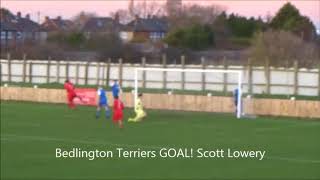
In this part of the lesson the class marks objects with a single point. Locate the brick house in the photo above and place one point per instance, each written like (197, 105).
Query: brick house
(17, 30)
(8, 35)
(56, 24)
(145, 29)
(102, 26)
(27, 30)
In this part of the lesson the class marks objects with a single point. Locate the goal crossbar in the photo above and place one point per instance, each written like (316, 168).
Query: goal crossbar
(188, 70)
(239, 73)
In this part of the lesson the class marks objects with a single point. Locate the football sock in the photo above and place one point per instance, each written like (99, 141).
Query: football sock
(97, 114)
(107, 113)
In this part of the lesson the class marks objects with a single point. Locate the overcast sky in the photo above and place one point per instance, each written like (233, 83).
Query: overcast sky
(69, 8)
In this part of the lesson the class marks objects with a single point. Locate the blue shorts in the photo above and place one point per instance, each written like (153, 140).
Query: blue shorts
(103, 103)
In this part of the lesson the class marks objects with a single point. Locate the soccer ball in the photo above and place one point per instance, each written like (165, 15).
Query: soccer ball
(293, 98)
(35, 86)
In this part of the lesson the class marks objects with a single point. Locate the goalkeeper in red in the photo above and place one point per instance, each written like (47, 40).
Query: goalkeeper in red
(71, 94)
(140, 113)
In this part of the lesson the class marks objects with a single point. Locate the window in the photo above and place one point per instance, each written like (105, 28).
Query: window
(152, 35)
(99, 23)
(155, 35)
(10, 35)
(88, 35)
(3, 35)
(19, 35)
(124, 35)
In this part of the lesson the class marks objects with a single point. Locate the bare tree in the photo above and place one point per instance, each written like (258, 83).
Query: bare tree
(282, 48)
(193, 13)
(123, 15)
(142, 10)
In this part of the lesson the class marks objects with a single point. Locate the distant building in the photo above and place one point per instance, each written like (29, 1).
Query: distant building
(101, 26)
(56, 25)
(5, 14)
(8, 30)
(142, 30)
(8, 35)
(27, 30)
(17, 30)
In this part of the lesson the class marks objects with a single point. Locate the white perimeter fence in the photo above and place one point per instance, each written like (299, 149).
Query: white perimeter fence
(257, 80)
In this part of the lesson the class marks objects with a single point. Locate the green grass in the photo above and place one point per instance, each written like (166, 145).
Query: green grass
(30, 132)
(164, 91)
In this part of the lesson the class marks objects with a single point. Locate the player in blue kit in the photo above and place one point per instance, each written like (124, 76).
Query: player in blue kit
(115, 89)
(102, 102)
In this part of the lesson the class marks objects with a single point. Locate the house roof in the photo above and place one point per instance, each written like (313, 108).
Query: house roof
(57, 24)
(5, 14)
(7, 26)
(61, 23)
(148, 25)
(101, 24)
(26, 25)
(8, 20)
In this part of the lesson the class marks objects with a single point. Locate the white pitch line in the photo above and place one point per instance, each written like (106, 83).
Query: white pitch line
(6, 137)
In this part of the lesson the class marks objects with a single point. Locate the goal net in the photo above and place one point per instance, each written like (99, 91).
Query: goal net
(208, 83)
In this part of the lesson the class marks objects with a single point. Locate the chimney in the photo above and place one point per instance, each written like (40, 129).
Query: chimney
(136, 17)
(149, 16)
(27, 16)
(47, 18)
(59, 18)
(117, 18)
(19, 14)
(2, 15)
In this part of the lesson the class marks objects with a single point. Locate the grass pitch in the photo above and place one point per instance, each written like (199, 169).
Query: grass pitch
(30, 132)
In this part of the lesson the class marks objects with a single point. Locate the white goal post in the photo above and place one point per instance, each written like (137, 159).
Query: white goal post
(238, 73)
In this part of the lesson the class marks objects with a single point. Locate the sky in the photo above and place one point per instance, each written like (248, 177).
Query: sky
(69, 8)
